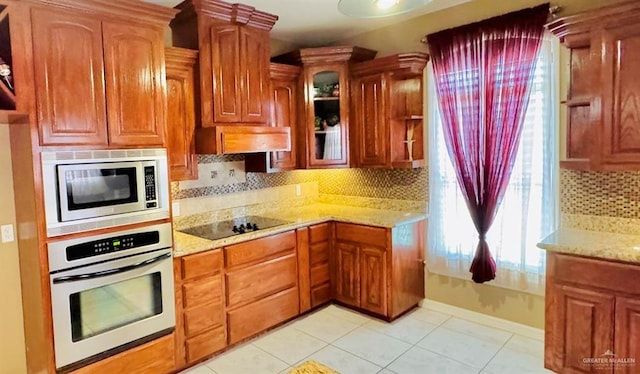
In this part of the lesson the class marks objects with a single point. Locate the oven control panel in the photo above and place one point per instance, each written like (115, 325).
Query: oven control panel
(111, 244)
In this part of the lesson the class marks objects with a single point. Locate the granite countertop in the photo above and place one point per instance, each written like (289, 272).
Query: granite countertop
(597, 244)
(185, 244)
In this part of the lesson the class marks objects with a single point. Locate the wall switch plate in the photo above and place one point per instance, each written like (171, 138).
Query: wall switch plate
(298, 190)
(175, 209)
(7, 233)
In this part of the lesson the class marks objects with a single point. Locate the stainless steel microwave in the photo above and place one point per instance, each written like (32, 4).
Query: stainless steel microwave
(87, 190)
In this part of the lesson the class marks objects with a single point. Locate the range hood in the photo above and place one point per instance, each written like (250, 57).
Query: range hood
(225, 139)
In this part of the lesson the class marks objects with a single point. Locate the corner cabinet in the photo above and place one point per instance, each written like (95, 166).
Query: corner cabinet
(593, 309)
(181, 112)
(283, 89)
(387, 111)
(324, 128)
(603, 102)
(379, 270)
(88, 59)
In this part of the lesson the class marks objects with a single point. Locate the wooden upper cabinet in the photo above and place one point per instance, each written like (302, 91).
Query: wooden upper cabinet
(181, 112)
(325, 125)
(603, 102)
(283, 89)
(233, 40)
(135, 74)
(99, 73)
(371, 127)
(225, 86)
(70, 90)
(254, 69)
(387, 111)
(621, 94)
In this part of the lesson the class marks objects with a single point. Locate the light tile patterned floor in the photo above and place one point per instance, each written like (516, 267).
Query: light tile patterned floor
(422, 342)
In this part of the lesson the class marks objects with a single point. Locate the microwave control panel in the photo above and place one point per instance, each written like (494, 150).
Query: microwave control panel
(151, 197)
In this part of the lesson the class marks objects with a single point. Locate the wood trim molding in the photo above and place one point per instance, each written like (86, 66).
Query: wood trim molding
(326, 55)
(283, 71)
(235, 13)
(401, 65)
(139, 11)
(584, 22)
(177, 58)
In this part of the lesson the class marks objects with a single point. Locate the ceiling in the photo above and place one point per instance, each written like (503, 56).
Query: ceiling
(312, 23)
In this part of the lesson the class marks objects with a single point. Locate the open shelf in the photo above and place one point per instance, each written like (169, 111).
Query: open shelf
(326, 98)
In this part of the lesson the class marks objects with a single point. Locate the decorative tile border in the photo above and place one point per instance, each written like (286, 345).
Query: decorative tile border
(592, 193)
(398, 184)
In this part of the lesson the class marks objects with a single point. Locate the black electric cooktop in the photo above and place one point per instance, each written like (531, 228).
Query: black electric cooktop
(241, 225)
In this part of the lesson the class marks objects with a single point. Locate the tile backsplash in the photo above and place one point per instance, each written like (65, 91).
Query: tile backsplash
(593, 193)
(221, 175)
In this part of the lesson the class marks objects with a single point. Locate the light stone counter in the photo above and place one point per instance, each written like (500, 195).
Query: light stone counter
(597, 244)
(185, 244)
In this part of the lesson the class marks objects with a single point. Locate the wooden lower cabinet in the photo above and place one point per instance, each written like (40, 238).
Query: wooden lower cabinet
(590, 313)
(225, 296)
(262, 284)
(201, 325)
(379, 270)
(156, 356)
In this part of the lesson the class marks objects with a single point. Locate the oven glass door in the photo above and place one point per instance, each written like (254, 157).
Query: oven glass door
(111, 306)
(100, 307)
(91, 190)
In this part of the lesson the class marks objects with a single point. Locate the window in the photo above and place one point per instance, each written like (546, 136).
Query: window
(528, 211)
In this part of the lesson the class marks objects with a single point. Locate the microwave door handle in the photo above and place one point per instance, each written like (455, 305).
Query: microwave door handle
(104, 273)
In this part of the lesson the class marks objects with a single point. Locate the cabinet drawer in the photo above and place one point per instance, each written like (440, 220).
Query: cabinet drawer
(601, 274)
(318, 233)
(203, 317)
(261, 280)
(319, 274)
(376, 236)
(253, 250)
(202, 291)
(199, 264)
(205, 344)
(272, 310)
(320, 294)
(319, 253)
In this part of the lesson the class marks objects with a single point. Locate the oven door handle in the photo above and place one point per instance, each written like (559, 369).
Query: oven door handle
(104, 273)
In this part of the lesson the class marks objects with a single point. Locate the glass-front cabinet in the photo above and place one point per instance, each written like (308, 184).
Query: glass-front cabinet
(323, 139)
(329, 115)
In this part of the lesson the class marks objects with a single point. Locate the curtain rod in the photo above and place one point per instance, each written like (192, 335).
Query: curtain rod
(553, 12)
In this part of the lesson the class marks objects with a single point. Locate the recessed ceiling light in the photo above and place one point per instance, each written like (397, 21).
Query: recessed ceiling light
(378, 8)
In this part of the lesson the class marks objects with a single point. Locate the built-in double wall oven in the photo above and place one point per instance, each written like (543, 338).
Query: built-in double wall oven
(113, 289)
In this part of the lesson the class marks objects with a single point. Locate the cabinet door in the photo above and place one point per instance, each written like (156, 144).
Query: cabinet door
(283, 114)
(181, 114)
(347, 273)
(585, 321)
(373, 280)
(135, 82)
(69, 87)
(371, 125)
(327, 116)
(225, 62)
(254, 70)
(627, 335)
(621, 95)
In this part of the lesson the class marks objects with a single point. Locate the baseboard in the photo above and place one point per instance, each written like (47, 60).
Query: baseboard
(484, 319)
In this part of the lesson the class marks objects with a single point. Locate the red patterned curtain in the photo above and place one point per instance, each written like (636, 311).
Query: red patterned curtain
(483, 73)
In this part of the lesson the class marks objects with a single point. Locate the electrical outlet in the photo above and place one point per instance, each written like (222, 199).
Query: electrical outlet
(175, 209)
(298, 190)
(7, 233)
